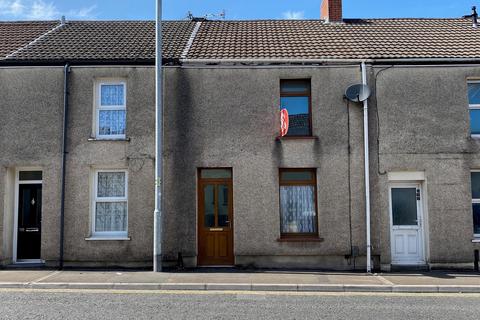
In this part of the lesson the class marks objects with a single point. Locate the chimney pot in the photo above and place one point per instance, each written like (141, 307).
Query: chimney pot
(331, 11)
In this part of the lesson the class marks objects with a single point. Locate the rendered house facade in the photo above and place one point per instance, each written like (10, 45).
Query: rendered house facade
(234, 192)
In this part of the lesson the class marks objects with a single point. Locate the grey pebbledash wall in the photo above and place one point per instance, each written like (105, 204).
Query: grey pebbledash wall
(30, 136)
(228, 117)
(425, 126)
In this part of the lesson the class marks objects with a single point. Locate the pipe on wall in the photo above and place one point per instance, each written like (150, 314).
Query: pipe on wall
(367, 172)
(157, 224)
(66, 71)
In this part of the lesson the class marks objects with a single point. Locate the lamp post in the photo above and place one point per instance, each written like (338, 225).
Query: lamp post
(157, 220)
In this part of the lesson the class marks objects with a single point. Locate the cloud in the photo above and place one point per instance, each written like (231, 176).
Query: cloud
(41, 10)
(294, 15)
(11, 7)
(83, 13)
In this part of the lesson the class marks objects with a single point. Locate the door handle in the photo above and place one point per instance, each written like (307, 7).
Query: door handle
(32, 229)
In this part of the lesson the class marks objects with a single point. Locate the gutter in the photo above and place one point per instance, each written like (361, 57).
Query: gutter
(330, 61)
(66, 72)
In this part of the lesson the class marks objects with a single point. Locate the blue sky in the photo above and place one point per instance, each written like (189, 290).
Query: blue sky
(235, 9)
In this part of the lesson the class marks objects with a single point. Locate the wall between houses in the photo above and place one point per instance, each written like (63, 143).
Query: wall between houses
(228, 117)
(424, 126)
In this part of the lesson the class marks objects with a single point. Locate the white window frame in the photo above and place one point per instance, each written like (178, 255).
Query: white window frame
(472, 107)
(99, 108)
(110, 235)
(474, 201)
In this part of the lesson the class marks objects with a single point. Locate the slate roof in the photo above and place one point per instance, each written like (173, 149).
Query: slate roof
(241, 40)
(15, 35)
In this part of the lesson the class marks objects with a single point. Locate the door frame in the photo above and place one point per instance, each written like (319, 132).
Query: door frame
(200, 182)
(16, 208)
(421, 216)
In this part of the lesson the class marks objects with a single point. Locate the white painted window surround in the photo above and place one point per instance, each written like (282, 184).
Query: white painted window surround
(109, 219)
(406, 176)
(110, 109)
(474, 107)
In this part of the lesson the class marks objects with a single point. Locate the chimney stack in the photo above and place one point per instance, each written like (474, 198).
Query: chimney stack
(331, 11)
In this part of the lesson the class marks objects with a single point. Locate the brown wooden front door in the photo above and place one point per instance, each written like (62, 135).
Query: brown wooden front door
(215, 218)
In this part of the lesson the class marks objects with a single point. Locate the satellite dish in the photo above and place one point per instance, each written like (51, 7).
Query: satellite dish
(358, 93)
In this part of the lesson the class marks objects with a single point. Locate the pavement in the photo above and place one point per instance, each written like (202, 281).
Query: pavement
(235, 280)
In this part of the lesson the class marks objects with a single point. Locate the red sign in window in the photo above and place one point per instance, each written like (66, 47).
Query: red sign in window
(283, 122)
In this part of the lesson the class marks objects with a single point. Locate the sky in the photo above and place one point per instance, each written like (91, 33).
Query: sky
(234, 9)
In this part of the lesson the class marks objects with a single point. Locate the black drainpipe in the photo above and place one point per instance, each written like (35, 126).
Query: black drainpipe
(66, 71)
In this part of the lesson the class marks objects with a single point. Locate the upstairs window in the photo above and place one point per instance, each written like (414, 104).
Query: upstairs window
(295, 96)
(474, 106)
(111, 110)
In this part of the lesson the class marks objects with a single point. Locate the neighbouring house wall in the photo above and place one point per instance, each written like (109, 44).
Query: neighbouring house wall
(424, 126)
(136, 154)
(229, 117)
(31, 106)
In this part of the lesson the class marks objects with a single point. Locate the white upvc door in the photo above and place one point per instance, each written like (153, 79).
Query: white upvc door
(406, 224)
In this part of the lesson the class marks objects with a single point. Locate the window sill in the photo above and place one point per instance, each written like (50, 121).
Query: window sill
(127, 139)
(297, 138)
(300, 239)
(112, 238)
(476, 240)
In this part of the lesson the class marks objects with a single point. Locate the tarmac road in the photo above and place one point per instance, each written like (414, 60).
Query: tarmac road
(115, 304)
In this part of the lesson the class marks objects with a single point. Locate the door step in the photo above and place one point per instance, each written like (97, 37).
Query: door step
(33, 265)
(402, 267)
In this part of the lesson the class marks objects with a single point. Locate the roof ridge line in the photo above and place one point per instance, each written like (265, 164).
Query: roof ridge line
(61, 24)
(190, 40)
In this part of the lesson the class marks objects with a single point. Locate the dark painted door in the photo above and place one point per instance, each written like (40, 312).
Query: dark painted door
(29, 221)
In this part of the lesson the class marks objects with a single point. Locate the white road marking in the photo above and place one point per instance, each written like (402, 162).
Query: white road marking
(383, 280)
(46, 277)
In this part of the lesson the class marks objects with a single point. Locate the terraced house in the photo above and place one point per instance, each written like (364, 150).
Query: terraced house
(77, 142)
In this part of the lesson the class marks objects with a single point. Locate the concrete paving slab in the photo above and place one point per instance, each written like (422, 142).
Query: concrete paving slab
(459, 289)
(321, 287)
(434, 278)
(274, 287)
(415, 289)
(229, 286)
(367, 288)
(23, 275)
(183, 286)
(363, 279)
(137, 286)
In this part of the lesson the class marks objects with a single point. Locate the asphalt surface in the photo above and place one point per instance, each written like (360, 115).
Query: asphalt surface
(82, 304)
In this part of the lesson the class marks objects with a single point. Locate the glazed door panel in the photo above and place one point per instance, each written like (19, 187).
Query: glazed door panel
(406, 225)
(215, 222)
